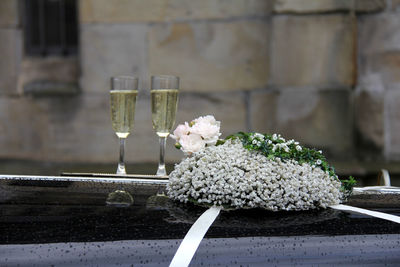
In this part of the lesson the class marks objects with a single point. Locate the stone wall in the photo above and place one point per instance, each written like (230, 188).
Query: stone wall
(10, 47)
(325, 72)
(377, 93)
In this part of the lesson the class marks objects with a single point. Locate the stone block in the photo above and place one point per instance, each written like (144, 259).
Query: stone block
(312, 50)
(369, 122)
(369, 5)
(10, 47)
(395, 5)
(79, 129)
(320, 119)
(48, 69)
(212, 56)
(109, 50)
(324, 6)
(392, 124)
(379, 33)
(379, 46)
(50, 129)
(9, 13)
(384, 67)
(92, 11)
(22, 128)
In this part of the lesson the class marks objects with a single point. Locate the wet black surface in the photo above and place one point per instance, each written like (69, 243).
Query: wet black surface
(24, 223)
(63, 224)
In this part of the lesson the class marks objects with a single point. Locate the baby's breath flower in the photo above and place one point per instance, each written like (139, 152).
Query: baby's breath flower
(231, 175)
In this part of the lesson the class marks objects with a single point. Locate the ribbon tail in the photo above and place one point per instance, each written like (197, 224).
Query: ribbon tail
(381, 215)
(192, 240)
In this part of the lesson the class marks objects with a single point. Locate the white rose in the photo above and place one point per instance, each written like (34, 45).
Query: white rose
(209, 132)
(181, 130)
(191, 143)
(207, 119)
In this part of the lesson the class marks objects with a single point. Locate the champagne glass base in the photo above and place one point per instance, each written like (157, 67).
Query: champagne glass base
(119, 198)
(121, 170)
(161, 171)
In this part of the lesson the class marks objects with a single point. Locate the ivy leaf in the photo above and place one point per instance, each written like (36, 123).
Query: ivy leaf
(272, 148)
(347, 186)
(220, 142)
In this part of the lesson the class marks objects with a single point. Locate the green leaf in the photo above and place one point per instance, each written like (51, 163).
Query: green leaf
(177, 145)
(347, 186)
(305, 155)
(220, 142)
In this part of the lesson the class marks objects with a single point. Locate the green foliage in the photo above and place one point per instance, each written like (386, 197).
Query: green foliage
(220, 142)
(347, 186)
(177, 145)
(274, 146)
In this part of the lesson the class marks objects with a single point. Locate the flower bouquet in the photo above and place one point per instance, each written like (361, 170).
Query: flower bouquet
(251, 170)
(193, 137)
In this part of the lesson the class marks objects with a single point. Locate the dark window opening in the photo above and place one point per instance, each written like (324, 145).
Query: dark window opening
(51, 27)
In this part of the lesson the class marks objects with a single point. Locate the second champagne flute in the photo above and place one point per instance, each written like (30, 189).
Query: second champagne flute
(164, 103)
(124, 90)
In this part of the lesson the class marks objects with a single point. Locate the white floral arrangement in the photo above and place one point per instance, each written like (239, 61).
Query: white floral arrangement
(196, 135)
(252, 170)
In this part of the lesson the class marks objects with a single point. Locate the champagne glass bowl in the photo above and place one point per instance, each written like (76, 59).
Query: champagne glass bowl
(123, 93)
(164, 103)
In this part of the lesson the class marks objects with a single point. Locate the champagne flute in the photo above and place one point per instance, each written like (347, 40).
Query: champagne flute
(124, 90)
(164, 103)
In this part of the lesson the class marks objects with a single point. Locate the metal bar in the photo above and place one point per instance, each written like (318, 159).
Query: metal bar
(42, 30)
(63, 32)
(85, 179)
(114, 175)
(27, 23)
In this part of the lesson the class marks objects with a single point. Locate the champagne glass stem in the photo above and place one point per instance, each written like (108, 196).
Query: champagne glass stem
(161, 164)
(121, 163)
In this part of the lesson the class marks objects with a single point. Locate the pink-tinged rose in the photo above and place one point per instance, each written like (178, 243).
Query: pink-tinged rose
(207, 119)
(212, 141)
(181, 130)
(192, 143)
(209, 132)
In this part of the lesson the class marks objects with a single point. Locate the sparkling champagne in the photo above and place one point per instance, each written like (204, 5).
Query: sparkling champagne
(164, 104)
(123, 111)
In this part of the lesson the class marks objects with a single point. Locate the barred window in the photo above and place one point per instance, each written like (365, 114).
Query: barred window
(50, 27)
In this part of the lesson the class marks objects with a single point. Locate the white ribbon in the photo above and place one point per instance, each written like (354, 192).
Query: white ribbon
(192, 240)
(376, 214)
